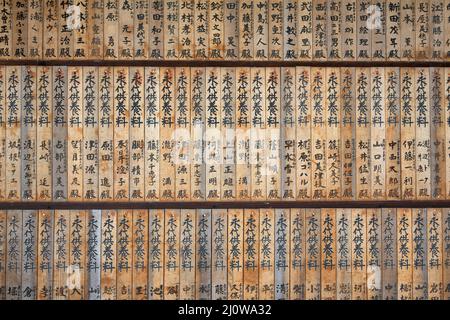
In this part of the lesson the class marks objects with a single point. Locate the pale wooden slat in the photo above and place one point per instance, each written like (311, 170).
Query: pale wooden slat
(374, 255)
(446, 253)
(171, 26)
(29, 255)
(2, 134)
(124, 254)
(235, 254)
(61, 253)
(78, 245)
(6, 27)
(156, 36)
(3, 244)
(188, 231)
(290, 29)
(297, 263)
(437, 29)
(50, 34)
(267, 274)
(110, 29)
(35, 25)
(251, 254)
(203, 255)
(140, 254)
(93, 254)
(121, 134)
(389, 251)
(219, 262)
(171, 255)
(348, 29)
(419, 254)
(231, 29)
(141, 30)
(434, 253)
(422, 16)
(19, 36)
(65, 30)
(404, 254)
(313, 233)
(95, 20)
(275, 21)
(75, 136)
(137, 134)
(216, 29)
(109, 256)
(80, 30)
(156, 254)
(246, 25)
(260, 30)
(319, 25)
(344, 254)
(393, 30)
(328, 255)
(359, 252)
(333, 28)
(45, 255)
(363, 34)
(407, 29)
(378, 34)
(126, 28)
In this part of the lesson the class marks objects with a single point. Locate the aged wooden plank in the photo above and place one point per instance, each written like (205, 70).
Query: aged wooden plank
(3, 244)
(171, 255)
(422, 15)
(393, 141)
(319, 25)
(186, 29)
(29, 255)
(19, 36)
(423, 133)
(121, 134)
(407, 30)
(156, 25)
(275, 25)
(328, 254)
(228, 127)
(318, 134)
(2, 134)
(188, 232)
(106, 134)
(359, 254)
(446, 253)
(231, 29)
(213, 144)
(348, 29)
(5, 30)
(437, 29)
(333, 117)
(305, 29)
(182, 143)
(50, 31)
(344, 254)
(334, 22)
(93, 254)
(171, 26)
(377, 134)
(260, 30)
(273, 134)
(437, 127)
(90, 143)
(219, 262)
(374, 256)
(216, 29)
(110, 29)
(13, 141)
(288, 139)
(124, 254)
(80, 28)
(156, 254)
(68, 17)
(167, 101)
(59, 131)
(419, 254)
(363, 34)
(251, 254)
(109, 255)
(61, 253)
(137, 134)
(152, 140)
(243, 125)
(142, 13)
(246, 29)
(78, 247)
(297, 257)
(45, 255)
(75, 136)
(28, 133)
(290, 29)
(203, 255)
(277, 221)
(312, 250)
(362, 134)
(434, 253)
(201, 28)
(235, 254)
(303, 141)
(95, 23)
(393, 30)
(407, 134)
(378, 14)
(404, 254)
(35, 25)
(347, 134)
(267, 273)
(389, 254)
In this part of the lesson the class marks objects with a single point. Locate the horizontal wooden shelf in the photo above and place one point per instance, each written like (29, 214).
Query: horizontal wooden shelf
(222, 63)
(223, 204)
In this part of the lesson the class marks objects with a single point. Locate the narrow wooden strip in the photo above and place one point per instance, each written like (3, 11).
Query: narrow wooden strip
(203, 255)
(267, 281)
(404, 255)
(219, 259)
(109, 255)
(344, 254)
(61, 252)
(171, 255)
(419, 250)
(29, 255)
(124, 254)
(35, 25)
(313, 232)
(298, 247)
(251, 254)
(45, 255)
(110, 29)
(374, 255)
(156, 254)
(389, 251)
(435, 253)
(78, 243)
(188, 231)
(93, 254)
(359, 254)
(3, 246)
(235, 254)
(328, 254)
